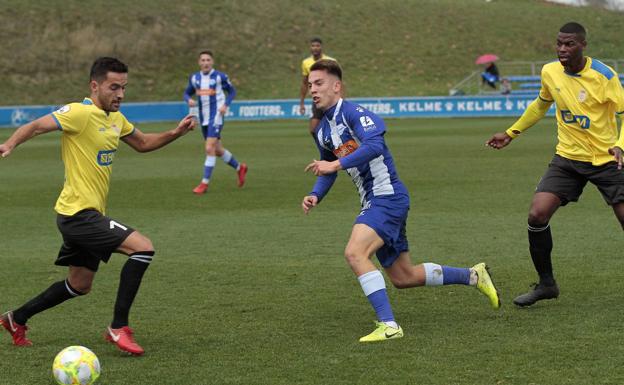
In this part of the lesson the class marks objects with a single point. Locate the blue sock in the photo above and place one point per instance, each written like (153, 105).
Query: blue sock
(456, 275)
(380, 302)
(374, 288)
(208, 166)
(436, 275)
(228, 158)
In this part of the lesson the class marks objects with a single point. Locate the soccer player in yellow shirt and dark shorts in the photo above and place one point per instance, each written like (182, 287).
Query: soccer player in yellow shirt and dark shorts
(588, 96)
(316, 54)
(90, 136)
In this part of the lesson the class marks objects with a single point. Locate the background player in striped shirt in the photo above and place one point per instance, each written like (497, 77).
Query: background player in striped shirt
(90, 133)
(316, 54)
(351, 138)
(214, 93)
(587, 95)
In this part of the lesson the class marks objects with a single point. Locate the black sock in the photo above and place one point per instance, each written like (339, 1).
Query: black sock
(129, 282)
(59, 292)
(540, 246)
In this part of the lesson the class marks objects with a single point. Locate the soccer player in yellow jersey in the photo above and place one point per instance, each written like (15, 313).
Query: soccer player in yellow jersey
(316, 54)
(90, 135)
(587, 95)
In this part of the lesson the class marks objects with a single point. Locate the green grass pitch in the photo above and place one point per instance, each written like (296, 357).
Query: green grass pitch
(245, 289)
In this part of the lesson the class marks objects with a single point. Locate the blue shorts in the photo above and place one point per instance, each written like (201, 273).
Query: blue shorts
(387, 216)
(212, 131)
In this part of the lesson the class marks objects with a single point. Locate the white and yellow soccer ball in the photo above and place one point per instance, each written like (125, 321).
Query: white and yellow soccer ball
(76, 365)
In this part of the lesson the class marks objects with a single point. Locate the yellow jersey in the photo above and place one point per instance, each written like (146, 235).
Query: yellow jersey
(88, 144)
(586, 106)
(307, 63)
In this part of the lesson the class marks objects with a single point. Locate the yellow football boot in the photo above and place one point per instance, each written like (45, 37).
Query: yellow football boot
(383, 332)
(485, 284)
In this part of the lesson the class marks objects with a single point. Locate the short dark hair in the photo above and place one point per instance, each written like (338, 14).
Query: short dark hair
(329, 66)
(103, 65)
(573, 27)
(206, 52)
(316, 40)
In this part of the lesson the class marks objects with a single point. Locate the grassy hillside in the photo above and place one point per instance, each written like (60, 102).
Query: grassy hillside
(387, 47)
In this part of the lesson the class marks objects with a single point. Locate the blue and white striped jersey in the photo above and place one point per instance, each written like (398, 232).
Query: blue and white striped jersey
(355, 136)
(211, 90)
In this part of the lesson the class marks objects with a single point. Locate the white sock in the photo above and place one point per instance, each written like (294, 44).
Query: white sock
(371, 282)
(227, 156)
(392, 324)
(433, 274)
(210, 161)
(474, 277)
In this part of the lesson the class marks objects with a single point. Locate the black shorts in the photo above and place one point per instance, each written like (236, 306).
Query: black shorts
(316, 113)
(566, 179)
(88, 238)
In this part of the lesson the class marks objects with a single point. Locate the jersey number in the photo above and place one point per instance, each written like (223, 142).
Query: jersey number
(114, 224)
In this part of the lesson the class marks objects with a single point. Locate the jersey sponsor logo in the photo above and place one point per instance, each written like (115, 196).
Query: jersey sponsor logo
(63, 109)
(346, 148)
(568, 117)
(115, 128)
(105, 157)
(367, 123)
(206, 92)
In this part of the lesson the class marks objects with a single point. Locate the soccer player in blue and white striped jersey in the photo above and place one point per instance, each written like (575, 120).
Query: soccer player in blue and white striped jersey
(214, 93)
(351, 138)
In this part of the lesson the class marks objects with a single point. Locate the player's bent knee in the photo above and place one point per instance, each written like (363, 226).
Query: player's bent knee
(136, 242)
(79, 286)
(354, 256)
(537, 218)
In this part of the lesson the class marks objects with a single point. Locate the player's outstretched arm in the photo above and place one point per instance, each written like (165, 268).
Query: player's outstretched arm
(534, 112)
(29, 130)
(143, 142)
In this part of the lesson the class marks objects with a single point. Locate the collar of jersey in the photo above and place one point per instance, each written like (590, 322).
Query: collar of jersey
(581, 72)
(207, 74)
(331, 112)
(87, 101)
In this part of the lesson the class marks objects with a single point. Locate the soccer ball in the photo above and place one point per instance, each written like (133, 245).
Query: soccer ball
(76, 365)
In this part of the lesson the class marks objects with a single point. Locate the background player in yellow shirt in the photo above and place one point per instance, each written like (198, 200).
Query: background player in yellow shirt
(90, 135)
(316, 54)
(587, 95)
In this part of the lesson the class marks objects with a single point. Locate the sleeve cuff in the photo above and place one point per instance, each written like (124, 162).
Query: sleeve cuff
(130, 133)
(58, 124)
(512, 133)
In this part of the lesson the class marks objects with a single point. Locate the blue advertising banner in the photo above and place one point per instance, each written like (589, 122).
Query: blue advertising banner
(402, 107)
